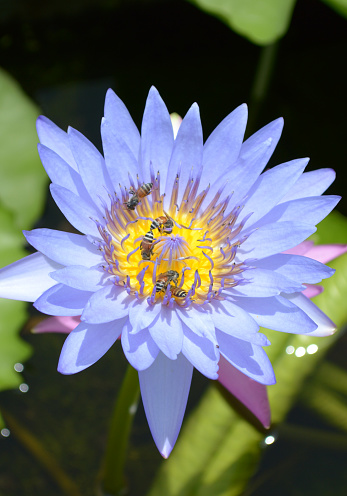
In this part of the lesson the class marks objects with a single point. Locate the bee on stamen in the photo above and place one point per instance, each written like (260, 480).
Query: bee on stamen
(164, 224)
(146, 246)
(141, 192)
(178, 292)
(165, 279)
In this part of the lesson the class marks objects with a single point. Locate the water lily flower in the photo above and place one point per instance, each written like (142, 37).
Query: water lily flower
(180, 252)
(252, 394)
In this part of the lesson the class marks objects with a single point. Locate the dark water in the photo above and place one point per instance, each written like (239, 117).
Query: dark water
(65, 55)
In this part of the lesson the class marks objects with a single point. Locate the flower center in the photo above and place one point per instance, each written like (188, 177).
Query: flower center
(187, 253)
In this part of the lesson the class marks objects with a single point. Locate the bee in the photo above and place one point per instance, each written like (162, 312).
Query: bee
(146, 246)
(178, 292)
(141, 192)
(164, 224)
(164, 279)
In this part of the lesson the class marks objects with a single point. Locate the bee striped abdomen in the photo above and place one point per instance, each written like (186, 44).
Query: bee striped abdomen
(144, 190)
(155, 224)
(148, 237)
(146, 246)
(160, 286)
(178, 292)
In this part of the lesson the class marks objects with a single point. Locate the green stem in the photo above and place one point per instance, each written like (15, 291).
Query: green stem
(262, 80)
(112, 472)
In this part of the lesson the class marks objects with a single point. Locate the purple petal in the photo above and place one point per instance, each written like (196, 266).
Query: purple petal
(312, 183)
(239, 178)
(120, 160)
(27, 278)
(263, 283)
(92, 168)
(295, 267)
(107, 304)
(252, 394)
(272, 131)
(198, 320)
(201, 353)
(275, 238)
(326, 327)
(83, 278)
(86, 344)
(61, 173)
(164, 388)
(223, 146)
(309, 210)
(187, 151)
(64, 247)
(141, 315)
(121, 122)
(77, 211)
(167, 332)
(270, 187)
(249, 358)
(56, 324)
(156, 137)
(254, 155)
(56, 139)
(139, 349)
(233, 320)
(62, 300)
(277, 313)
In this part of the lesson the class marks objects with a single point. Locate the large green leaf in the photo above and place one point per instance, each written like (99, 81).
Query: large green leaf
(326, 393)
(261, 21)
(333, 229)
(23, 180)
(217, 451)
(22, 194)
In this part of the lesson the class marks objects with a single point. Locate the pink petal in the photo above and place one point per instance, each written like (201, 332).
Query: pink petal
(312, 290)
(57, 324)
(251, 393)
(321, 253)
(325, 253)
(300, 249)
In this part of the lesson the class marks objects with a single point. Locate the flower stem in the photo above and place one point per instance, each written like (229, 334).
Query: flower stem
(262, 80)
(112, 472)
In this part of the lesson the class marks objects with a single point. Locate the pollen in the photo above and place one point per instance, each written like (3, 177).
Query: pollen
(187, 253)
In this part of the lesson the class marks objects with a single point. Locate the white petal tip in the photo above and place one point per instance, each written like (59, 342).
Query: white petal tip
(166, 449)
(61, 369)
(323, 332)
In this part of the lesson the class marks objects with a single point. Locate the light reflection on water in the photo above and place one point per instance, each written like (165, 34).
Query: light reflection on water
(300, 351)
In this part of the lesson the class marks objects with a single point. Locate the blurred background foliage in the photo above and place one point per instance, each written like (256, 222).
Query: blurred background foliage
(283, 57)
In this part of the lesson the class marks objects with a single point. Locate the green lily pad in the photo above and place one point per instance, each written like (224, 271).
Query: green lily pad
(22, 196)
(261, 21)
(23, 180)
(333, 229)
